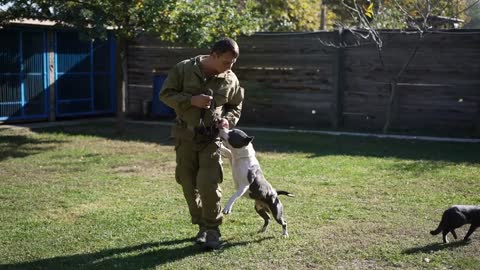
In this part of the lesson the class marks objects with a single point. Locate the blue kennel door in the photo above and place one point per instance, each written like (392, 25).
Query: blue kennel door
(158, 107)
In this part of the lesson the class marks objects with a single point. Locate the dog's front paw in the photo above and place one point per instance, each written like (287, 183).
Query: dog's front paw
(227, 211)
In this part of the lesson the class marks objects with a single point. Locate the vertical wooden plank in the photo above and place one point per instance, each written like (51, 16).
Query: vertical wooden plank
(339, 83)
(392, 100)
(114, 74)
(123, 86)
(476, 132)
(51, 74)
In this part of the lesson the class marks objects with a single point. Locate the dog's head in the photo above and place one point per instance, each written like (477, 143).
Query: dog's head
(235, 138)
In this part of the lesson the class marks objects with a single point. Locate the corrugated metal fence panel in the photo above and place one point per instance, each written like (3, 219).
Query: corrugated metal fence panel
(85, 75)
(10, 90)
(23, 78)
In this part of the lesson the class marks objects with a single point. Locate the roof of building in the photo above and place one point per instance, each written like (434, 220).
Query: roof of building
(33, 22)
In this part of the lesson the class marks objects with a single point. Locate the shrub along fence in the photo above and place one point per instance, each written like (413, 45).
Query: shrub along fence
(415, 84)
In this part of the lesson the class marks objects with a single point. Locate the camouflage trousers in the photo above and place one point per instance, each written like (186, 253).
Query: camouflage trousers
(199, 171)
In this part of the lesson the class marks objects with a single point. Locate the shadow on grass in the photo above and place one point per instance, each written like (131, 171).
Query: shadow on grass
(19, 146)
(435, 247)
(146, 256)
(315, 145)
(325, 145)
(150, 133)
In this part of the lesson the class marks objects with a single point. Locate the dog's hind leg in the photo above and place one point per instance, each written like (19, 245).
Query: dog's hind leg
(454, 234)
(260, 208)
(277, 212)
(444, 236)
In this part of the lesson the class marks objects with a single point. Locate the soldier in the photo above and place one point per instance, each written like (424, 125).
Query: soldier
(206, 95)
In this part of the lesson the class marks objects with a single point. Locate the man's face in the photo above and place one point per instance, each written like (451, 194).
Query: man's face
(224, 61)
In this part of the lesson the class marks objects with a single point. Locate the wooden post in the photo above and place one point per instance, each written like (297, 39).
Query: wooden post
(122, 87)
(51, 75)
(476, 132)
(338, 83)
(323, 16)
(393, 99)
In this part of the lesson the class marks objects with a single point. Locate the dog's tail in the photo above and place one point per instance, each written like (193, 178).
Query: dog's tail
(443, 223)
(438, 229)
(282, 192)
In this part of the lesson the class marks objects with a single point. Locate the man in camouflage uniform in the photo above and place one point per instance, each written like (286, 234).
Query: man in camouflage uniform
(206, 95)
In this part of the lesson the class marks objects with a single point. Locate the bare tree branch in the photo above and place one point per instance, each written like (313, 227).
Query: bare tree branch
(467, 8)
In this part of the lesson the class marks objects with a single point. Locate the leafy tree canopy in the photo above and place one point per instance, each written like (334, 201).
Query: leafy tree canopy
(474, 14)
(199, 22)
(394, 14)
(196, 22)
(289, 15)
(202, 21)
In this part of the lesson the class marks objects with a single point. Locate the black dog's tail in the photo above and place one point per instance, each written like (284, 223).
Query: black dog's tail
(443, 223)
(281, 192)
(438, 229)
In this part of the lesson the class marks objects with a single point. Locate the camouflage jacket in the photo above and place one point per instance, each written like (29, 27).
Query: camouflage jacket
(186, 79)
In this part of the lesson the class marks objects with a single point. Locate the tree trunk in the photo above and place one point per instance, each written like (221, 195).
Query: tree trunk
(323, 17)
(122, 87)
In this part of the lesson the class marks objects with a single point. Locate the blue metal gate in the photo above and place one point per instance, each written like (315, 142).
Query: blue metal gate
(84, 74)
(23, 75)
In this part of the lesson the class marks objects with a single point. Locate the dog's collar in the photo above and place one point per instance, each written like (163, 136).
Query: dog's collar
(245, 156)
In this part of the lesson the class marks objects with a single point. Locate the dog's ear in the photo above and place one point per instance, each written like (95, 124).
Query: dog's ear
(249, 139)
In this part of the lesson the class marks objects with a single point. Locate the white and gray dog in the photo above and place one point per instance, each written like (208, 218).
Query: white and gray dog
(248, 177)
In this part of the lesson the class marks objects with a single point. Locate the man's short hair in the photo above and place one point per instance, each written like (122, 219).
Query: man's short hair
(226, 45)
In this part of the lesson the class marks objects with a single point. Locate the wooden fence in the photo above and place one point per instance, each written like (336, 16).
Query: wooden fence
(300, 80)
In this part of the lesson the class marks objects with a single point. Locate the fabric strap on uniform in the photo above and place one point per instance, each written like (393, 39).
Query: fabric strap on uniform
(209, 92)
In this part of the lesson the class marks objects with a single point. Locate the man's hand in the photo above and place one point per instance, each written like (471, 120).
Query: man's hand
(223, 123)
(201, 101)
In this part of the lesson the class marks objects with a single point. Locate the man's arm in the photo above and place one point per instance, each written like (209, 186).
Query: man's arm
(173, 95)
(172, 92)
(233, 108)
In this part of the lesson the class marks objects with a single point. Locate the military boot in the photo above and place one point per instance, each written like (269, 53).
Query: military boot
(201, 237)
(213, 239)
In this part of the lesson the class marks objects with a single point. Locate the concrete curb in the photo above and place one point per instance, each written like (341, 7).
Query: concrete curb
(339, 133)
(280, 130)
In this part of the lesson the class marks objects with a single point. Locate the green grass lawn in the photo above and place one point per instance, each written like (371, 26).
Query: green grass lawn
(83, 197)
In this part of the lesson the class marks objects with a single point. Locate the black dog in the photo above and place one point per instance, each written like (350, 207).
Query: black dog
(457, 216)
